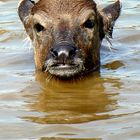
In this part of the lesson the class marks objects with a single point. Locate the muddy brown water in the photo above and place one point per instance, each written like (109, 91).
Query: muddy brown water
(103, 106)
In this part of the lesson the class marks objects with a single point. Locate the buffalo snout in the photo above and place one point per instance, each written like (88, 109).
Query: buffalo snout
(63, 53)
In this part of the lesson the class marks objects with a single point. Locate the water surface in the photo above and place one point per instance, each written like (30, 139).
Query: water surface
(103, 106)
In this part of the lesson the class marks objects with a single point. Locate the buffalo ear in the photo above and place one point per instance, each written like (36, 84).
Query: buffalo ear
(108, 16)
(24, 9)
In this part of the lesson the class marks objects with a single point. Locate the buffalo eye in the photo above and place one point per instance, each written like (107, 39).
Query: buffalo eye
(33, 2)
(38, 27)
(89, 24)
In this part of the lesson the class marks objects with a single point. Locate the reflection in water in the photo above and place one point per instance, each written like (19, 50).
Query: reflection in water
(77, 102)
(68, 139)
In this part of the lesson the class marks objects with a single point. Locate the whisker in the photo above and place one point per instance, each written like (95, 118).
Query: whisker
(49, 77)
(27, 42)
(108, 39)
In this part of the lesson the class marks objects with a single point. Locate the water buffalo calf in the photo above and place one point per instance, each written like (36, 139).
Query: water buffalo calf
(67, 34)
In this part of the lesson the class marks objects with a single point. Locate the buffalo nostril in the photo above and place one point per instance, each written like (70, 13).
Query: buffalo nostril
(54, 53)
(72, 52)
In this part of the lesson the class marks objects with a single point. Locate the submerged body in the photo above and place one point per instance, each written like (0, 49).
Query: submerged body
(67, 34)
